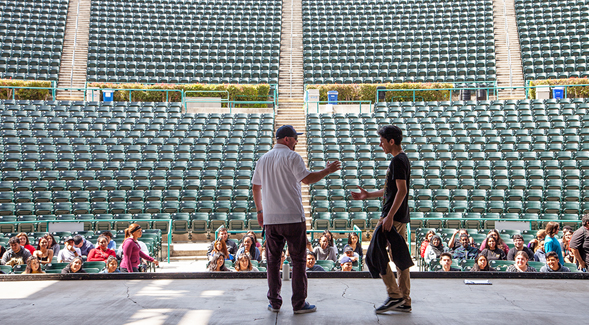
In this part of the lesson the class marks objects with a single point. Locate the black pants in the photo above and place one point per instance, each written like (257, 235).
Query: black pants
(124, 270)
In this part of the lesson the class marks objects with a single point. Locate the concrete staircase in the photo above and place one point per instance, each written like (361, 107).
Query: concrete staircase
(507, 50)
(290, 82)
(74, 59)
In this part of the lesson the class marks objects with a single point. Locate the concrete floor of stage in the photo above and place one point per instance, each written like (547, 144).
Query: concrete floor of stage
(339, 301)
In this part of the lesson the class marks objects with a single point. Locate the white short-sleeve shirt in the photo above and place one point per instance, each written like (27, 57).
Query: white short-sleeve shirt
(280, 172)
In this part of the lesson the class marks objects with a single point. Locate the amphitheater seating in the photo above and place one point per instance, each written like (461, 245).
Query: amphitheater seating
(31, 38)
(370, 42)
(553, 38)
(180, 42)
(79, 160)
(511, 159)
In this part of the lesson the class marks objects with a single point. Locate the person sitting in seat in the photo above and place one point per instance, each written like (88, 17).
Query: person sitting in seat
(217, 263)
(518, 242)
(52, 244)
(84, 245)
(465, 251)
(24, 242)
(446, 263)
(220, 247)
(493, 252)
(75, 266)
(434, 249)
(16, 255)
(521, 263)
(482, 264)
(43, 252)
(540, 235)
(244, 264)
(425, 242)
(553, 265)
(346, 264)
(455, 240)
(223, 235)
(540, 254)
(112, 265)
(69, 252)
(353, 242)
(498, 241)
(311, 266)
(102, 252)
(33, 266)
(249, 247)
(324, 251)
(111, 243)
(349, 252)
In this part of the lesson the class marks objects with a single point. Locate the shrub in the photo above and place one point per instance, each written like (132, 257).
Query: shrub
(355, 92)
(572, 92)
(25, 94)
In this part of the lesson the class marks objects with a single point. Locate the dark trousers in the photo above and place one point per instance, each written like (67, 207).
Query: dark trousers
(124, 270)
(295, 235)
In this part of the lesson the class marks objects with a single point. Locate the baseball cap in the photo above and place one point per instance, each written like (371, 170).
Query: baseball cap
(345, 260)
(67, 238)
(286, 131)
(348, 249)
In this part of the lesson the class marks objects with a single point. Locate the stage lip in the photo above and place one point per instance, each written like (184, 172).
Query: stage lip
(262, 275)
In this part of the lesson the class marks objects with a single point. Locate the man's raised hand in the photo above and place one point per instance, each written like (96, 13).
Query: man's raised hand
(362, 195)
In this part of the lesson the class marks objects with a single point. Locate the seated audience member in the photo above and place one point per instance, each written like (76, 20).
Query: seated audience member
(553, 265)
(220, 247)
(349, 252)
(69, 252)
(2, 251)
(329, 236)
(101, 252)
(16, 255)
(492, 251)
(551, 244)
(521, 263)
(311, 266)
(540, 235)
(482, 264)
(24, 242)
(75, 266)
(112, 265)
(434, 249)
(324, 251)
(244, 264)
(43, 252)
(354, 243)
(425, 242)
(455, 239)
(518, 243)
(217, 263)
(498, 241)
(465, 251)
(249, 247)
(446, 262)
(33, 266)
(84, 245)
(111, 243)
(539, 254)
(255, 238)
(52, 244)
(346, 264)
(231, 245)
(567, 254)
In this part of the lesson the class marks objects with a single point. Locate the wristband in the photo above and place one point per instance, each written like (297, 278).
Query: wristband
(260, 211)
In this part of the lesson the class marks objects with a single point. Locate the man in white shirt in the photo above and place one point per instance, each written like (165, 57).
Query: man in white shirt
(277, 194)
(70, 251)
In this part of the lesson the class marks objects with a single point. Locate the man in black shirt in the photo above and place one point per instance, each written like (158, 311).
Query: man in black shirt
(579, 244)
(395, 214)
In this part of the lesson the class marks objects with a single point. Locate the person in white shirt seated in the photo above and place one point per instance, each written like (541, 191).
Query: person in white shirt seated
(349, 252)
(69, 252)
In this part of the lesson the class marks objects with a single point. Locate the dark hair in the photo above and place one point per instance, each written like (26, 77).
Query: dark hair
(391, 132)
(517, 236)
(14, 240)
(350, 237)
(111, 258)
(213, 262)
(312, 254)
(29, 269)
(463, 236)
(107, 234)
(552, 254)
(551, 228)
(585, 220)
(499, 240)
(476, 264)
(446, 254)
(39, 243)
(522, 253)
(238, 264)
(252, 247)
(52, 240)
(101, 237)
(327, 232)
(25, 235)
(68, 268)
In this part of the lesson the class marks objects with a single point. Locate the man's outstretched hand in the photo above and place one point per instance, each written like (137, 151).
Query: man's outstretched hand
(362, 195)
(333, 167)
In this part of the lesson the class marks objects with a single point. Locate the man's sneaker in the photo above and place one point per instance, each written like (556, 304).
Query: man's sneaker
(307, 308)
(403, 308)
(272, 309)
(390, 304)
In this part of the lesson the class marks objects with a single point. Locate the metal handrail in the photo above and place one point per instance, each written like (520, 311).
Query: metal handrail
(340, 102)
(95, 220)
(508, 46)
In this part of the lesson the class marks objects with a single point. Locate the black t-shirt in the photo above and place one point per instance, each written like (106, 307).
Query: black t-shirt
(400, 168)
(580, 242)
(513, 251)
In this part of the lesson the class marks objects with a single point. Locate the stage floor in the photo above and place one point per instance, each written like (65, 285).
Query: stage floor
(243, 301)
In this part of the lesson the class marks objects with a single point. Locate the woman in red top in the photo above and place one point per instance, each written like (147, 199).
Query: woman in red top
(132, 253)
(102, 252)
(24, 241)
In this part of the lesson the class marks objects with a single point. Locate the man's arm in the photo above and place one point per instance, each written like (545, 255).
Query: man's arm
(364, 194)
(399, 197)
(315, 177)
(451, 241)
(257, 193)
(577, 255)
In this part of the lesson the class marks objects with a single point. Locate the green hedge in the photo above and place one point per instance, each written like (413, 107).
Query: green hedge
(354, 92)
(572, 92)
(236, 92)
(25, 94)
